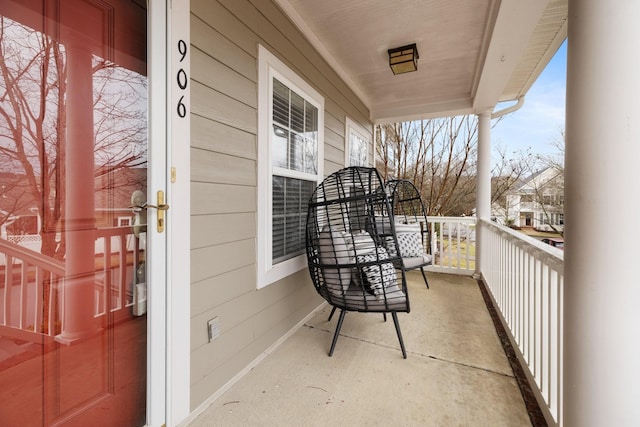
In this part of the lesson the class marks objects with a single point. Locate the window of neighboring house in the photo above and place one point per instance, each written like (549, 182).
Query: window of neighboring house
(124, 221)
(357, 143)
(290, 158)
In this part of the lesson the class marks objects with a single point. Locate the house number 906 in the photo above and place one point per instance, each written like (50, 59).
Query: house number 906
(182, 78)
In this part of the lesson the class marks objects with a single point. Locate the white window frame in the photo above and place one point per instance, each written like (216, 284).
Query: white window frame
(270, 67)
(124, 221)
(349, 127)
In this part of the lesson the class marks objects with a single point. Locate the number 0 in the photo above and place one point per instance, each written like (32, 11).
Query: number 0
(182, 79)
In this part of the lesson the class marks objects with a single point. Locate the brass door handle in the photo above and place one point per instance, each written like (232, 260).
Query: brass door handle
(138, 208)
(161, 207)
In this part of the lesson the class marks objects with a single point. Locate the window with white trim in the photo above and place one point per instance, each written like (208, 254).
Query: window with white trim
(290, 158)
(357, 143)
(124, 221)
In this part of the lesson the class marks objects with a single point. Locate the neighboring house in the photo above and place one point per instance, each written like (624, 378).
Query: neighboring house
(20, 221)
(537, 202)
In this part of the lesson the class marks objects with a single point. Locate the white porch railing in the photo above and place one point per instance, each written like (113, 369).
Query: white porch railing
(28, 286)
(525, 279)
(32, 285)
(453, 244)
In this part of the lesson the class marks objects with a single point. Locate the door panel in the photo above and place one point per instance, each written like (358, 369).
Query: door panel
(73, 149)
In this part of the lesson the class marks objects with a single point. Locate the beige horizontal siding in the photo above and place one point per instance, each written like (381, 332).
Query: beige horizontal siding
(217, 76)
(210, 166)
(210, 230)
(225, 35)
(213, 260)
(216, 290)
(219, 137)
(220, 107)
(223, 49)
(220, 198)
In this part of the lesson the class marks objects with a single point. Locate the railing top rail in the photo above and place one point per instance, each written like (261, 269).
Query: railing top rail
(553, 257)
(461, 219)
(47, 263)
(31, 257)
(113, 231)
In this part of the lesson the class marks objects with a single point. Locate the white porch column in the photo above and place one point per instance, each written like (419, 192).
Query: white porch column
(602, 201)
(79, 222)
(483, 193)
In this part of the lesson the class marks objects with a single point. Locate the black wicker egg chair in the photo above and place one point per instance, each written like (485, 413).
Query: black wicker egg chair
(348, 255)
(411, 225)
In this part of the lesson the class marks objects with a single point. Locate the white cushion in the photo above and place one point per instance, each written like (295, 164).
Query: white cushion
(358, 299)
(333, 251)
(402, 227)
(414, 262)
(359, 243)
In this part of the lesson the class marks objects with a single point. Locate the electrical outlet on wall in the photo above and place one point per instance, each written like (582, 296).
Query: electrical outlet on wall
(213, 327)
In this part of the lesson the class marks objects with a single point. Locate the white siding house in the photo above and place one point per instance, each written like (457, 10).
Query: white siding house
(538, 202)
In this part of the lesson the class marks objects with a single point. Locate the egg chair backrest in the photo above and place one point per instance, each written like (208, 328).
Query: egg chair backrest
(408, 208)
(352, 250)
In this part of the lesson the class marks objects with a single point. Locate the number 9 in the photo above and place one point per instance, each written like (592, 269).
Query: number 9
(182, 49)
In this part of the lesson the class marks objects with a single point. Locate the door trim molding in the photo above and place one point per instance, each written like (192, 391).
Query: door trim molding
(179, 244)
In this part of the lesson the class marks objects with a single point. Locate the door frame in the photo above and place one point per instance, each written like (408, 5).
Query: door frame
(179, 229)
(168, 333)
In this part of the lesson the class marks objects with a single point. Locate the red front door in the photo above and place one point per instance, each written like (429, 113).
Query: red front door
(73, 150)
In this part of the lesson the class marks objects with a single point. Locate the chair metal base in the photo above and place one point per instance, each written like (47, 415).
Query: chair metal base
(424, 276)
(339, 326)
(333, 310)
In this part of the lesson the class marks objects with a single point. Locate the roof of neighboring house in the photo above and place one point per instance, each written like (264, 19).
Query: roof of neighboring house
(537, 179)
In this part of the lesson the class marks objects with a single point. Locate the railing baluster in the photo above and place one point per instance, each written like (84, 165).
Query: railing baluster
(24, 287)
(56, 294)
(122, 273)
(8, 284)
(525, 279)
(38, 303)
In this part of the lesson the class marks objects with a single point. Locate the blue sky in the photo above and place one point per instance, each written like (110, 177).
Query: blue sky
(540, 121)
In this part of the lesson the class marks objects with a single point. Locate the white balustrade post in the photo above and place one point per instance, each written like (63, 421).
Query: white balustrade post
(602, 156)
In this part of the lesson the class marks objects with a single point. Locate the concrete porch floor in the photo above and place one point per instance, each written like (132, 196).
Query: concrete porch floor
(456, 372)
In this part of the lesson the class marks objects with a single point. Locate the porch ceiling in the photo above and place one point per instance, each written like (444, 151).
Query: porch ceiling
(473, 53)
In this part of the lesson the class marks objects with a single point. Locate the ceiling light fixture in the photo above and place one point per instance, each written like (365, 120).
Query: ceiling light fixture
(403, 59)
